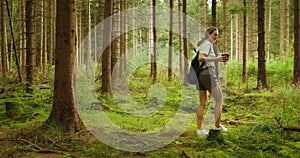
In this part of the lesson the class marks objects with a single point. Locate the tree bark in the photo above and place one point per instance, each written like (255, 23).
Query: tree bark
(41, 21)
(170, 42)
(106, 56)
(282, 31)
(45, 54)
(214, 13)
(237, 37)
(269, 30)
(4, 56)
(89, 39)
(30, 44)
(51, 32)
(296, 78)
(261, 76)
(123, 38)
(22, 38)
(231, 36)
(64, 111)
(244, 76)
(13, 43)
(154, 55)
(287, 35)
(180, 38)
(253, 38)
(79, 29)
(206, 13)
(224, 26)
(115, 48)
(185, 46)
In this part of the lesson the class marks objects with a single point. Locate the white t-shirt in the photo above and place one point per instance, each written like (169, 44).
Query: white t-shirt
(206, 48)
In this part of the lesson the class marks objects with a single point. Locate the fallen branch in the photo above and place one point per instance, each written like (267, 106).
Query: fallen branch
(40, 149)
(292, 128)
(185, 155)
(28, 142)
(234, 122)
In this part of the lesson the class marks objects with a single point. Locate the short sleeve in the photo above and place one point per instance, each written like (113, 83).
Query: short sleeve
(204, 48)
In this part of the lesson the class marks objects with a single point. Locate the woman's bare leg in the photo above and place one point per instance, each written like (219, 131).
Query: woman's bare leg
(200, 112)
(218, 96)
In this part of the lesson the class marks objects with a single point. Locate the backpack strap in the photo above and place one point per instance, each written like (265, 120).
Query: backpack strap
(197, 55)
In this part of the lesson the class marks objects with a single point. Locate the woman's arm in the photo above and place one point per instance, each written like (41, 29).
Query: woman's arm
(203, 58)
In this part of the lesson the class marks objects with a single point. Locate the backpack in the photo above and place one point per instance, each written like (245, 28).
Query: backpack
(195, 68)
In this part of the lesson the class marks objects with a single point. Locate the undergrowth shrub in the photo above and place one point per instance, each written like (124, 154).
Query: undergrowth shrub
(285, 97)
(278, 74)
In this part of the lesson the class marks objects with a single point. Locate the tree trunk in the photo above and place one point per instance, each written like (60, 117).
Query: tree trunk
(4, 56)
(269, 30)
(123, 40)
(30, 44)
(13, 44)
(10, 12)
(41, 3)
(261, 76)
(64, 111)
(282, 30)
(214, 13)
(206, 13)
(45, 54)
(170, 42)
(82, 33)
(150, 38)
(224, 26)
(106, 56)
(231, 36)
(185, 46)
(253, 38)
(237, 37)
(154, 55)
(22, 38)
(180, 38)
(89, 39)
(244, 76)
(115, 48)
(296, 43)
(79, 29)
(51, 32)
(94, 40)
(287, 31)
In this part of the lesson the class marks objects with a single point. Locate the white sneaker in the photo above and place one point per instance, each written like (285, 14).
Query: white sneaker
(222, 127)
(201, 132)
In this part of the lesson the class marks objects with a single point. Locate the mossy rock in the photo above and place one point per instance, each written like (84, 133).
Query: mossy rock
(215, 135)
(14, 109)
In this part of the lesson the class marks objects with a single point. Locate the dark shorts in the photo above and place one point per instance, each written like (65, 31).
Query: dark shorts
(207, 82)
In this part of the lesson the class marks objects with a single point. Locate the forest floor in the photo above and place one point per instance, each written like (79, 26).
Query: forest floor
(260, 124)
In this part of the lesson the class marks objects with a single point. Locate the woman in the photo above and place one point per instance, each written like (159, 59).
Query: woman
(208, 81)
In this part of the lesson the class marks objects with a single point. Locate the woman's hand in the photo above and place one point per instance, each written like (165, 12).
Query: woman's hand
(224, 57)
(221, 58)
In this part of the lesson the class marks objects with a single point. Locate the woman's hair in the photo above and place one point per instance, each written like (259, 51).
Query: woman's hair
(208, 31)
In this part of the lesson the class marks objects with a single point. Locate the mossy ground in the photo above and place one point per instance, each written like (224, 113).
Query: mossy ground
(269, 110)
